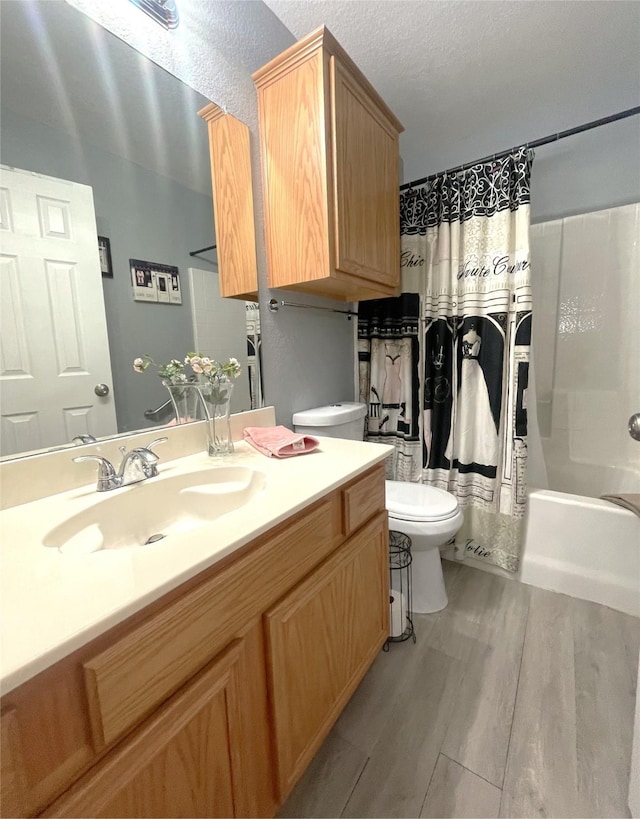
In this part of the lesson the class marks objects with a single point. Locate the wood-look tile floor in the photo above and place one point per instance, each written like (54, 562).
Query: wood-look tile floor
(514, 702)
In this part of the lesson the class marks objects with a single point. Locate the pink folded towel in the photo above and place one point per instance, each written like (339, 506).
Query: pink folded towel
(279, 442)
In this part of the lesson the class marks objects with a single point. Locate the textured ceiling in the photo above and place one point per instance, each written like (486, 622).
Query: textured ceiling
(473, 77)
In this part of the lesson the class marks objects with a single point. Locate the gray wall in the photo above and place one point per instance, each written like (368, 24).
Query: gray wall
(307, 355)
(590, 171)
(146, 216)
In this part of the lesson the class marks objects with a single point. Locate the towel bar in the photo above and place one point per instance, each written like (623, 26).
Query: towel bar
(275, 305)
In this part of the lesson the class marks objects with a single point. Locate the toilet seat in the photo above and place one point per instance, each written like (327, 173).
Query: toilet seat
(419, 502)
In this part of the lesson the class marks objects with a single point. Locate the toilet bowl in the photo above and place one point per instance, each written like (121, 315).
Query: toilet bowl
(430, 517)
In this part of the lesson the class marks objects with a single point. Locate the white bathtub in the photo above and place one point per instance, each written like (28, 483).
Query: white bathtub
(583, 547)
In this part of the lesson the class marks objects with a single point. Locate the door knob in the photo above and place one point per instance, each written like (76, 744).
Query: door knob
(101, 390)
(634, 426)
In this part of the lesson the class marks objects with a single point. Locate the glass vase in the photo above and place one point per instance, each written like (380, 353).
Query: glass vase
(216, 398)
(187, 402)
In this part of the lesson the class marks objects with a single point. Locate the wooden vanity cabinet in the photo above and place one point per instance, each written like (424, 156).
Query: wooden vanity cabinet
(232, 203)
(12, 773)
(329, 155)
(184, 761)
(322, 638)
(212, 700)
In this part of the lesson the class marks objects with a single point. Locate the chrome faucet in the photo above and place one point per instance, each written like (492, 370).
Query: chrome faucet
(137, 465)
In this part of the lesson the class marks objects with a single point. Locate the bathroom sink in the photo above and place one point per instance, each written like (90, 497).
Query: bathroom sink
(140, 515)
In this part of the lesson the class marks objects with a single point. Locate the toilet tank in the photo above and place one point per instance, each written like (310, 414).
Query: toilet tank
(344, 420)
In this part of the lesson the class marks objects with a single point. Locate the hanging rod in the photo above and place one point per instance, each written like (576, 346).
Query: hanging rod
(202, 250)
(630, 112)
(275, 305)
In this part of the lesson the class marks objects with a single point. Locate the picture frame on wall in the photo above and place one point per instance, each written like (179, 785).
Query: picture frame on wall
(152, 281)
(104, 250)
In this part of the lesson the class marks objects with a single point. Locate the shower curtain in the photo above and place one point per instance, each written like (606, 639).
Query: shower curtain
(469, 232)
(388, 361)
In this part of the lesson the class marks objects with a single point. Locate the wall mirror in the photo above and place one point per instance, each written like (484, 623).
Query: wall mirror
(91, 126)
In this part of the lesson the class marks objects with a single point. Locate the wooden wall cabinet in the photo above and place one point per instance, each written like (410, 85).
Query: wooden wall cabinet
(329, 154)
(211, 701)
(232, 203)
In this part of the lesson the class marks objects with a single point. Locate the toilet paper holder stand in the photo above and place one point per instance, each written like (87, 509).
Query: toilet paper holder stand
(400, 623)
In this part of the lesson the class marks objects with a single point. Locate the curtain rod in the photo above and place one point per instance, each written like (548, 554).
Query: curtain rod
(630, 112)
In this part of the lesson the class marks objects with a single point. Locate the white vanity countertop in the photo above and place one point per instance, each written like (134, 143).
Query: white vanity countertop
(52, 603)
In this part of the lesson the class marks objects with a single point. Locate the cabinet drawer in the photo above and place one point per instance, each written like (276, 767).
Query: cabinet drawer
(132, 677)
(362, 499)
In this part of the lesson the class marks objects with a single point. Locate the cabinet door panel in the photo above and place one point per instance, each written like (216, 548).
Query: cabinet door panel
(173, 782)
(367, 218)
(12, 774)
(232, 203)
(184, 761)
(292, 114)
(323, 637)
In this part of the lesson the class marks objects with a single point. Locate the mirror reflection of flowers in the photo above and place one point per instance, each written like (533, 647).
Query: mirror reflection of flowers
(172, 372)
(212, 375)
(216, 376)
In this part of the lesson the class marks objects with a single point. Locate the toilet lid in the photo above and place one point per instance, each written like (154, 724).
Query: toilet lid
(416, 501)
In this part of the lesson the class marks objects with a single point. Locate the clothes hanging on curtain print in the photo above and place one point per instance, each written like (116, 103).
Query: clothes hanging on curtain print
(388, 360)
(470, 232)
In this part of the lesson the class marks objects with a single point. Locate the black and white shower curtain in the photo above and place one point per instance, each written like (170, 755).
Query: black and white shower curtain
(465, 250)
(388, 360)
(471, 229)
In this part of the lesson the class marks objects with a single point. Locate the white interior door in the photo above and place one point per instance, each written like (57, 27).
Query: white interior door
(53, 336)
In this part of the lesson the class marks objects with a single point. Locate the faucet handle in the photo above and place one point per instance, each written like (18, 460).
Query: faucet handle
(105, 465)
(157, 441)
(107, 477)
(149, 457)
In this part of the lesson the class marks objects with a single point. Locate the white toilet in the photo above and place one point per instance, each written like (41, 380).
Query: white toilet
(429, 516)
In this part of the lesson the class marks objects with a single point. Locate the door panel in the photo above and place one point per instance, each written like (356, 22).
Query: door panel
(323, 636)
(174, 783)
(185, 761)
(294, 174)
(51, 288)
(366, 184)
